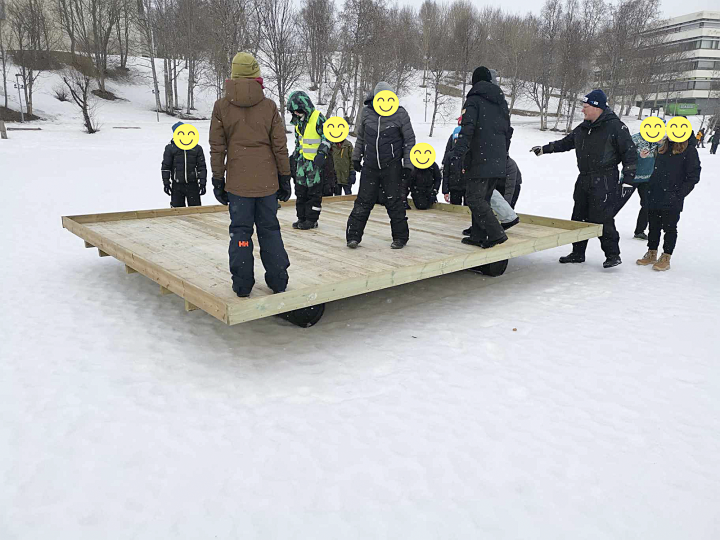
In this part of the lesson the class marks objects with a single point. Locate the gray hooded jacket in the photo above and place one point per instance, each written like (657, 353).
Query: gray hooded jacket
(382, 140)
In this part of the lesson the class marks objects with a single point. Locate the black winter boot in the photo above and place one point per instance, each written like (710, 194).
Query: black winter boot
(572, 258)
(353, 244)
(470, 242)
(305, 225)
(467, 231)
(398, 244)
(514, 222)
(296, 225)
(487, 244)
(611, 261)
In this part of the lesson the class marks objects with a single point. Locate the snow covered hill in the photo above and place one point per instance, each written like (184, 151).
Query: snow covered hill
(553, 402)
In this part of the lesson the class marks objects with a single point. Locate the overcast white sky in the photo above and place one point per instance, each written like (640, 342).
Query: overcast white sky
(670, 8)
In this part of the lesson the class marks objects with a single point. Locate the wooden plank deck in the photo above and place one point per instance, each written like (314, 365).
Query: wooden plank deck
(185, 251)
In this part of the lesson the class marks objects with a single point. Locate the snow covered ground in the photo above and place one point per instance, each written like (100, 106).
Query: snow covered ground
(415, 412)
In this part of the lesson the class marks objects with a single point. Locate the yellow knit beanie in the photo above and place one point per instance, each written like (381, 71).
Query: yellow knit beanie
(244, 65)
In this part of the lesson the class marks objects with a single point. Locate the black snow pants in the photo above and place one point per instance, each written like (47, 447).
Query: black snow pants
(261, 212)
(182, 191)
(484, 223)
(642, 220)
(422, 198)
(309, 201)
(372, 181)
(457, 196)
(596, 198)
(666, 221)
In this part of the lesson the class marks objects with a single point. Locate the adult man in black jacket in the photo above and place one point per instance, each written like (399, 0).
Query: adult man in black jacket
(383, 144)
(187, 171)
(600, 142)
(480, 153)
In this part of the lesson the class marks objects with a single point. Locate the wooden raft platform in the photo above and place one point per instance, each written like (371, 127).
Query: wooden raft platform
(185, 251)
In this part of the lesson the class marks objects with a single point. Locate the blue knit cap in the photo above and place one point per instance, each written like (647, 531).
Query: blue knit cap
(177, 125)
(596, 98)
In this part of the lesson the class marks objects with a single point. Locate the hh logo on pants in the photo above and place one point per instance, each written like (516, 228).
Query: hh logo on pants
(243, 243)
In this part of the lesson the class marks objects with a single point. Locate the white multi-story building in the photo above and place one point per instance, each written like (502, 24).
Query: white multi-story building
(695, 77)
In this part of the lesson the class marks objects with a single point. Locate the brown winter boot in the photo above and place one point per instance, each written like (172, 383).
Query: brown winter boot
(663, 264)
(649, 258)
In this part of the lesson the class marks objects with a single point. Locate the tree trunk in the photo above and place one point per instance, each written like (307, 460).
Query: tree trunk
(3, 131)
(4, 58)
(28, 91)
(176, 101)
(189, 86)
(557, 113)
(435, 106)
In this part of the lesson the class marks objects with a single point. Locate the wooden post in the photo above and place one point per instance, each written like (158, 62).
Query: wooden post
(3, 131)
(164, 291)
(102, 253)
(130, 270)
(189, 306)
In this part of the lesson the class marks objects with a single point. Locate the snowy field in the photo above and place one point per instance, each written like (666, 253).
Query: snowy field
(415, 412)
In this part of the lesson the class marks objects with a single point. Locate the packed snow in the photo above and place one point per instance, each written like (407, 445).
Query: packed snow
(553, 402)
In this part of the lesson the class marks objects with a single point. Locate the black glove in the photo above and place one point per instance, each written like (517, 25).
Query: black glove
(283, 194)
(203, 186)
(538, 150)
(219, 190)
(293, 165)
(166, 187)
(319, 161)
(356, 165)
(628, 177)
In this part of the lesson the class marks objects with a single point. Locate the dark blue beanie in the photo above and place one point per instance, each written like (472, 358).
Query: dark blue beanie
(177, 125)
(596, 98)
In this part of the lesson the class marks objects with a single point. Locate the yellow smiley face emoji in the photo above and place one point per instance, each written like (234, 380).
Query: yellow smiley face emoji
(652, 129)
(386, 103)
(186, 137)
(678, 129)
(336, 129)
(422, 155)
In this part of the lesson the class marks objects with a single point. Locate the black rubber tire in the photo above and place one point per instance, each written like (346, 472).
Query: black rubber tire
(305, 317)
(493, 269)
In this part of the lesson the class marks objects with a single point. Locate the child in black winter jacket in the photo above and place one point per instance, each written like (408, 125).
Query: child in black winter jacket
(424, 185)
(184, 174)
(677, 170)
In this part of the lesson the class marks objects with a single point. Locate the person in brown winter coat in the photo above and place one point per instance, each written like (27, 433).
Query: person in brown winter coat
(251, 172)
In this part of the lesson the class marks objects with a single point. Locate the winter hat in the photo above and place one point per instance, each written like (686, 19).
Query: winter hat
(382, 85)
(481, 74)
(493, 77)
(177, 125)
(244, 65)
(596, 98)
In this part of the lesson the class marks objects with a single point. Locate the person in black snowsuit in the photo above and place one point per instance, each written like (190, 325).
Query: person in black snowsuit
(184, 174)
(453, 185)
(600, 142)
(329, 178)
(383, 145)
(677, 170)
(715, 141)
(480, 153)
(509, 187)
(424, 185)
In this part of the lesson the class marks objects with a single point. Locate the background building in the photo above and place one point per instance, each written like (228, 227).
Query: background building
(691, 75)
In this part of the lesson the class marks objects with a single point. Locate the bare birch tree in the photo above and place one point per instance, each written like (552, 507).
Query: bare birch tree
(34, 36)
(280, 48)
